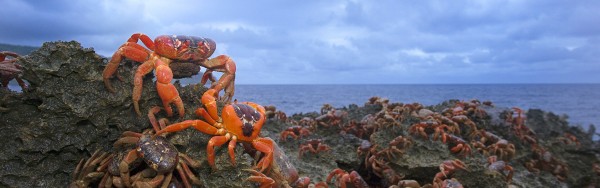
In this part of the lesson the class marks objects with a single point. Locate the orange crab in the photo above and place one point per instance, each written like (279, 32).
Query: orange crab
(168, 52)
(238, 122)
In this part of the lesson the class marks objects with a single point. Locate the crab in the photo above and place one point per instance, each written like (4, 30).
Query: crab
(429, 126)
(448, 167)
(307, 122)
(569, 139)
(498, 146)
(518, 127)
(10, 70)
(495, 165)
(359, 129)
(462, 119)
(397, 146)
(313, 145)
(169, 52)
(473, 109)
(458, 145)
(272, 112)
(295, 132)
(385, 118)
(342, 177)
(543, 160)
(160, 155)
(408, 184)
(238, 122)
(326, 108)
(282, 174)
(448, 183)
(85, 172)
(331, 118)
(370, 151)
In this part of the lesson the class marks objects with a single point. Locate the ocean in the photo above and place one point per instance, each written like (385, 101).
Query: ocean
(580, 102)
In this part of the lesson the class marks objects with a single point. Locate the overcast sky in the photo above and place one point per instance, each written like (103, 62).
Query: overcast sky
(343, 42)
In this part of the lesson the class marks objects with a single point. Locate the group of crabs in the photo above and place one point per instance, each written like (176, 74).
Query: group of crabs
(151, 158)
(450, 126)
(242, 122)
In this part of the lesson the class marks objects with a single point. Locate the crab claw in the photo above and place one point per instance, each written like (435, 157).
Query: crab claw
(260, 178)
(264, 145)
(167, 91)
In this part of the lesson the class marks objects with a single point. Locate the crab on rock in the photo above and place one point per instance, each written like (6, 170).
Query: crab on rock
(158, 153)
(168, 52)
(238, 122)
(9, 70)
(281, 174)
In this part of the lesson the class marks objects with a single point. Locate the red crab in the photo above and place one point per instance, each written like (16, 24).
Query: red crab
(495, 165)
(9, 70)
(429, 126)
(295, 132)
(168, 52)
(496, 145)
(342, 178)
(238, 122)
(569, 138)
(314, 146)
(397, 146)
(544, 160)
(458, 145)
(447, 168)
(282, 174)
(450, 166)
(332, 118)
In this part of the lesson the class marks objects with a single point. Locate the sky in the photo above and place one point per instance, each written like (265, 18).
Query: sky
(342, 41)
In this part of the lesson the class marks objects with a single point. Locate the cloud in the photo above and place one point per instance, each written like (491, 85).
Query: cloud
(334, 41)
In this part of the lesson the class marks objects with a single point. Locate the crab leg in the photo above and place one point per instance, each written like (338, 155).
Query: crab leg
(138, 80)
(231, 149)
(261, 178)
(210, 150)
(264, 145)
(209, 101)
(203, 113)
(152, 118)
(226, 65)
(3, 55)
(129, 50)
(145, 39)
(124, 166)
(187, 172)
(167, 91)
(199, 125)
(21, 83)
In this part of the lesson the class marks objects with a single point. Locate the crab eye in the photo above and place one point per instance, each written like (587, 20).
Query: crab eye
(248, 116)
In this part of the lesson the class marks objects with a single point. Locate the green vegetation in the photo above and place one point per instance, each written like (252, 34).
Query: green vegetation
(21, 50)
